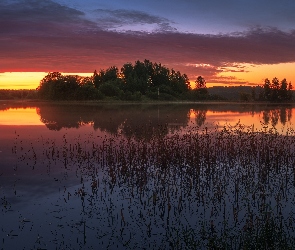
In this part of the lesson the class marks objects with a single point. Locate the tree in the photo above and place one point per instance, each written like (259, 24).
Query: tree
(127, 71)
(111, 74)
(267, 89)
(200, 85)
(179, 83)
(275, 88)
(245, 97)
(253, 93)
(290, 87)
(87, 90)
(277, 91)
(133, 81)
(147, 78)
(135, 78)
(55, 86)
(283, 90)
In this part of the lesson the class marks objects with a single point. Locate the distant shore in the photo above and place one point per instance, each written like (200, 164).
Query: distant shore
(34, 102)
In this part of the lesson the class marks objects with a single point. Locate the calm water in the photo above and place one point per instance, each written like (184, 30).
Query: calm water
(87, 177)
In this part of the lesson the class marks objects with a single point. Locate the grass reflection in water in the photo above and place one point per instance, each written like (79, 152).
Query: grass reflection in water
(220, 189)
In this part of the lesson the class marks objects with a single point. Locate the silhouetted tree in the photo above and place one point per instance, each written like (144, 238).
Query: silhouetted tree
(135, 77)
(200, 85)
(267, 89)
(55, 86)
(277, 91)
(111, 74)
(16, 94)
(253, 93)
(133, 81)
(148, 78)
(245, 97)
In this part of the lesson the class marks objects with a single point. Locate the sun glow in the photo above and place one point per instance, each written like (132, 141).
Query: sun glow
(255, 74)
(26, 80)
(229, 75)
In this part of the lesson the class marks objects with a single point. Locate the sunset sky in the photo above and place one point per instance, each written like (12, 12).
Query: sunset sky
(234, 42)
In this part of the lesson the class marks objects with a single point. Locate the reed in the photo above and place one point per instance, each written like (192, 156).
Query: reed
(229, 188)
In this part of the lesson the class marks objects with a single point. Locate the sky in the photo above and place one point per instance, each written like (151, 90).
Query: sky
(229, 42)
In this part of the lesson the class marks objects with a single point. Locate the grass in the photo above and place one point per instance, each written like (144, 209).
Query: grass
(204, 189)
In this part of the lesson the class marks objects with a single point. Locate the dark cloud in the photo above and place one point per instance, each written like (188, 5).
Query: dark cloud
(40, 17)
(75, 52)
(113, 19)
(45, 36)
(38, 10)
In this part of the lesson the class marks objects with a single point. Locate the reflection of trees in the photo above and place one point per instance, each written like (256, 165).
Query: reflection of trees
(15, 105)
(145, 122)
(273, 116)
(137, 120)
(265, 117)
(57, 118)
(143, 119)
(200, 117)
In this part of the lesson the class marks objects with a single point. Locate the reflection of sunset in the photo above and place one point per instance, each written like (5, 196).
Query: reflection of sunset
(20, 116)
(280, 118)
(233, 118)
(59, 117)
(192, 114)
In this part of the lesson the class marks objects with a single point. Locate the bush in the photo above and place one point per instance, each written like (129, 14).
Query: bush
(109, 89)
(128, 96)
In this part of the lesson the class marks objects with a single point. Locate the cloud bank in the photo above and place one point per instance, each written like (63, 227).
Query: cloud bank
(46, 36)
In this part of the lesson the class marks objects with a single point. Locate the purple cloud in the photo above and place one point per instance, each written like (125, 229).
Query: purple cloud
(46, 36)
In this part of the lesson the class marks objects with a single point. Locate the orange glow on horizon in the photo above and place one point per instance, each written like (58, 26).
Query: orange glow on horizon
(256, 74)
(244, 74)
(26, 80)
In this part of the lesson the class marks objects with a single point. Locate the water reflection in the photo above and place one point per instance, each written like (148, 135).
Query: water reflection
(140, 121)
(228, 189)
(273, 116)
(146, 120)
(130, 177)
(200, 116)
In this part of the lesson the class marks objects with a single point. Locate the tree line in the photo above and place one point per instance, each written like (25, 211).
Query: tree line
(271, 91)
(276, 91)
(18, 94)
(132, 83)
(146, 80)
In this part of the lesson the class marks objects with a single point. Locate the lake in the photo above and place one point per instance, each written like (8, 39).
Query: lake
(147, 176)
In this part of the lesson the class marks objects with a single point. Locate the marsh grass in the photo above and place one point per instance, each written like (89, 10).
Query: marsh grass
(229, 188)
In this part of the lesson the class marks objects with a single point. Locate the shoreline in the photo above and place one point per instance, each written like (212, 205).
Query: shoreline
(119, 102)
(33, 103)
